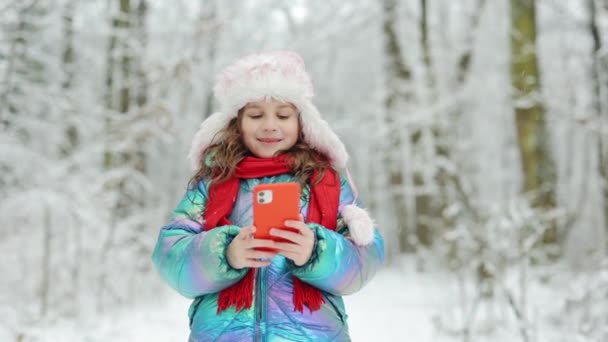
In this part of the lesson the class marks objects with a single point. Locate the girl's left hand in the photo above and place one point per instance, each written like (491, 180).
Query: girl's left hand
(299, 249)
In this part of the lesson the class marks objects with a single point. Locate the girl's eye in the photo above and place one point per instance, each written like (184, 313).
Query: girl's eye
(284, 116)
(254, 115)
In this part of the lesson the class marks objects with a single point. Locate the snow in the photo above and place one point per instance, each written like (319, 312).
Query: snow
(397, 301)
(399, 304)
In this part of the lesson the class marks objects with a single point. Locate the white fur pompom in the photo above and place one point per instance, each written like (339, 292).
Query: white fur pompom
(359, 224)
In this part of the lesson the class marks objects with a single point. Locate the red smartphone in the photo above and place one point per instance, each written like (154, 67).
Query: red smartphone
(272, 205)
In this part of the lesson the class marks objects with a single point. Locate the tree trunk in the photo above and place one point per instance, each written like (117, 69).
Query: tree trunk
(599, 70)
(68, 59)
(117, 100)
(140, 32)
(424, 201)
(68, 55)
(45, 281)
(426, 48)
(72, 141)
(533, 141)
(398, 76)
(430, 206)
(603, 64)
(140, 93)
(125, 59)
(17, 52)
(209, 20)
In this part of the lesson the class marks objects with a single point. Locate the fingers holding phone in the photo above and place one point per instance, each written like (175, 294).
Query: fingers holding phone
(299, 241)
(243, 251)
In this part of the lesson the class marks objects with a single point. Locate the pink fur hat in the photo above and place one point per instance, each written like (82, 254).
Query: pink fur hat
(280, 75)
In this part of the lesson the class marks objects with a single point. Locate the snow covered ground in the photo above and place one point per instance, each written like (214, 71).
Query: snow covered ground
(396, 304)
(400, 304)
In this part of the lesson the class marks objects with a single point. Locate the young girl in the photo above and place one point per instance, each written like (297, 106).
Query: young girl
(268, 131)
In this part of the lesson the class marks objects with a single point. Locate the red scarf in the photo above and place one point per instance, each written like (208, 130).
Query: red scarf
(322, 209)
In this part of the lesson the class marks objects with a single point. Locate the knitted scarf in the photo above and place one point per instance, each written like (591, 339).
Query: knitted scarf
(322, 209)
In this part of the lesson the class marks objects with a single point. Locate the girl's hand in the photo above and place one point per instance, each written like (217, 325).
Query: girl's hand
(241, 251)
(299, 249)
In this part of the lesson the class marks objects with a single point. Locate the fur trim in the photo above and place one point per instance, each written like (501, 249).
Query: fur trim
(206, 135)
(360, 224)
(320, 136)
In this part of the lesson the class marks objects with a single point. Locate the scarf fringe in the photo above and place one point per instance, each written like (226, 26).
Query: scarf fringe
(306, 294)
(240, 294)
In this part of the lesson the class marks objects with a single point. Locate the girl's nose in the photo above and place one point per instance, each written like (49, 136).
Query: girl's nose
(269, 124)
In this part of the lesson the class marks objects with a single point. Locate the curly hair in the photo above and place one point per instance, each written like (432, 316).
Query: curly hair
(302, 159)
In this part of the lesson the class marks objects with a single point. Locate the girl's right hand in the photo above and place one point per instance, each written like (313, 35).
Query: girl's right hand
(241, 251)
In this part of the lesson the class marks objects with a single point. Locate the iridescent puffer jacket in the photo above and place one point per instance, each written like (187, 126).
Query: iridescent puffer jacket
(193, 261)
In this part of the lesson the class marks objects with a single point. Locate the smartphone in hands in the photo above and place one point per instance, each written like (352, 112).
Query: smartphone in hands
(272, 205)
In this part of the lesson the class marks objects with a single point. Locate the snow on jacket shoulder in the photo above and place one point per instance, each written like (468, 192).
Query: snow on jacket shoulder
(193, 261)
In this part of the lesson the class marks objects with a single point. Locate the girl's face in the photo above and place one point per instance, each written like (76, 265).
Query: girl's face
(269, 126)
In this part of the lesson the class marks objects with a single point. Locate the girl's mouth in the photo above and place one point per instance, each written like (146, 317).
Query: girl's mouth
(269, 141)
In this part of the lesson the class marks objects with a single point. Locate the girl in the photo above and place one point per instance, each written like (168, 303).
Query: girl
(268, 131)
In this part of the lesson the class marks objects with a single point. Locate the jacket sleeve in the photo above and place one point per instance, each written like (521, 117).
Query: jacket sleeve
(338, 265)
(191, 260)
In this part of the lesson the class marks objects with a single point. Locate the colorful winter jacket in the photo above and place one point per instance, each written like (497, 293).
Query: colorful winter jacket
(193, 261)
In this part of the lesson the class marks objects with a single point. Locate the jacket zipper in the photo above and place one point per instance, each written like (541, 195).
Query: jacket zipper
(260, 305)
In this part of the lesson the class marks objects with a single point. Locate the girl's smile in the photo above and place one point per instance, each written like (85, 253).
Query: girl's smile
(269, 141)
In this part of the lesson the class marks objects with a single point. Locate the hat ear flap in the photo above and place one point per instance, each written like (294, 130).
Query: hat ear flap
(321, 137)
(207, 135)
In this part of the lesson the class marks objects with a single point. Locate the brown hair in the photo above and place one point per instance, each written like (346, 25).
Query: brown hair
(225, 156)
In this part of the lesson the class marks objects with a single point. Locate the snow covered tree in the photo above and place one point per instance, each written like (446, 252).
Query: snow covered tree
(399, 95)
(128, 129)
(536, 156)
(599, 79)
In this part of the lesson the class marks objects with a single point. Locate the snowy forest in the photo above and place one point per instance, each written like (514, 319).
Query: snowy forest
(477, 132)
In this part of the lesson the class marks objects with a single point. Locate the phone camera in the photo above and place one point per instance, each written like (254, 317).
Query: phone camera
(264, 196)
